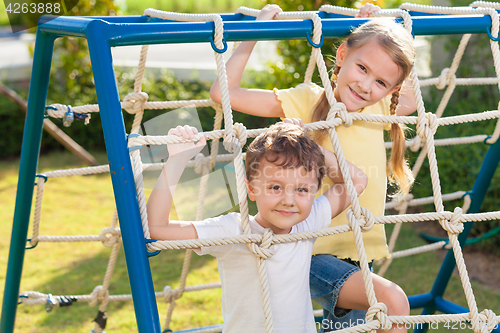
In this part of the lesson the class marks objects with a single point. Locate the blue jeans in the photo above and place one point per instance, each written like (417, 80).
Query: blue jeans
(328, 275)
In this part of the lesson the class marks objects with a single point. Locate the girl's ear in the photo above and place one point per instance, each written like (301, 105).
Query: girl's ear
(393, 90)
(341, 54)
(251, 194)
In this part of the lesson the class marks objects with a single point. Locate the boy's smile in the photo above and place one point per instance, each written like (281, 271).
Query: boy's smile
(367, 74)
(284, 196)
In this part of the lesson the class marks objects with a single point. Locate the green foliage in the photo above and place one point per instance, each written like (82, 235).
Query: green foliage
(296, 53)
(11, 122)
(71, 68)
(137, 7)
(459, 165)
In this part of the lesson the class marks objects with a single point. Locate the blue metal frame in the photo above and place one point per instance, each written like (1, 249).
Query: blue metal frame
(102, 33)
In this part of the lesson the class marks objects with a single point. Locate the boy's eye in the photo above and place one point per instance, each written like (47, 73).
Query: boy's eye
(302, 190)
(275, 188)
(363, 68)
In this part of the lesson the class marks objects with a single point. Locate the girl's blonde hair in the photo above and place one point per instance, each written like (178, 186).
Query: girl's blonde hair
(398, 43)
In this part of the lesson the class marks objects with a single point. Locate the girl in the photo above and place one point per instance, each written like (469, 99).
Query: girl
(371, 68)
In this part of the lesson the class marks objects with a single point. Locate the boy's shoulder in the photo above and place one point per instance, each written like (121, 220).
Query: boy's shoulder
(222, 225)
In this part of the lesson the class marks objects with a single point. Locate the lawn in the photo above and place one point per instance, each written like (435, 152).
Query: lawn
(84, 205)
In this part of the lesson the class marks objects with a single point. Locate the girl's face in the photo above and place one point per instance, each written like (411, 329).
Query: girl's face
(367, 74)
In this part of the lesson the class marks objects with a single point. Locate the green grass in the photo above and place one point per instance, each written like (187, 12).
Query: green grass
(84, 205)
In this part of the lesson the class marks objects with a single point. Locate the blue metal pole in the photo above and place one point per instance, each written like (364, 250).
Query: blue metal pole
(122, 177)
(419, 301)
(27, 170)
(132, 31)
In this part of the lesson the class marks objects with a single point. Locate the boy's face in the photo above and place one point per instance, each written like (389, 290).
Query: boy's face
(284, 196)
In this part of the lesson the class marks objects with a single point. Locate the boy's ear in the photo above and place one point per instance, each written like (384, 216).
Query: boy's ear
(251, 194)
(341, 54)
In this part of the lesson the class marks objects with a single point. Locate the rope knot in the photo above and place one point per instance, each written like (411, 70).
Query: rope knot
(415, 143)
(264, 249)
(98, 295)
(170, 295)
(134, 102)
(487, 321)
(110, 236)
(427, 125)
(366, 222)
(454, 226)
(240, 133)
(379, 310)
(237, 139)
(444, 79)
(340, 110)
(433, 122)
(200, 163)
(56, 110)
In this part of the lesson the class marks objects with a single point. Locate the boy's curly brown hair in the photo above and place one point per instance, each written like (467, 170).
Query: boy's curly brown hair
(287, 146)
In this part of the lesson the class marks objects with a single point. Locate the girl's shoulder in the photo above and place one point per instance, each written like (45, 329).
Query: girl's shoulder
(310, 87)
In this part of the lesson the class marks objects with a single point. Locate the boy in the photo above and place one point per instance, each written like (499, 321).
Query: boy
(284, 170)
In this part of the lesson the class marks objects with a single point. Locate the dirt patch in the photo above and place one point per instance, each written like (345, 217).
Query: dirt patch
(482, 267)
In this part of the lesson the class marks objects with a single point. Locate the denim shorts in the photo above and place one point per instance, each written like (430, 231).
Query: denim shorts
(328, 275)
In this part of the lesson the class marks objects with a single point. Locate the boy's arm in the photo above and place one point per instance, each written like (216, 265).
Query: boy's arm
(337, 194)
(256, 102)
(160, 201)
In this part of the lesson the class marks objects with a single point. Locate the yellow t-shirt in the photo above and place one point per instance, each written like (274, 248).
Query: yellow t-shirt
(363, 145)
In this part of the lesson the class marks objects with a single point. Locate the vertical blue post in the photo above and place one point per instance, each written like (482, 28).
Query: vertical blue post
(27, 170)
(481, 184)
(122, 177)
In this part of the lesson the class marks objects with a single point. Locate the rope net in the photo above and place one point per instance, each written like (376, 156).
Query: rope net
(234, 137)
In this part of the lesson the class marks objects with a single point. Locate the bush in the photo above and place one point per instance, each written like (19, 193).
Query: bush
(459, 165)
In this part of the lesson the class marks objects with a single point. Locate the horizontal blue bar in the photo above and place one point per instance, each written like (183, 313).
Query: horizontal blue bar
(445, 306)
(138, 30)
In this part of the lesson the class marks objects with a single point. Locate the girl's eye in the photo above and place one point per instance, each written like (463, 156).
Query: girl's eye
(363, 68)
(382, 83)
(302, 190)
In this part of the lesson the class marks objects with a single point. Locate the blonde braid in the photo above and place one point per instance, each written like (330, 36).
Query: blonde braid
(323, 107)
(398, 171)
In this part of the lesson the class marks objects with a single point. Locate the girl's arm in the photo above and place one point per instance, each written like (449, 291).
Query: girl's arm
(337, 194)
(160, 201)
(256, 102)
(407, 103)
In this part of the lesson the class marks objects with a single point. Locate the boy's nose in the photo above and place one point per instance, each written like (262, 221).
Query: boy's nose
(288, 198)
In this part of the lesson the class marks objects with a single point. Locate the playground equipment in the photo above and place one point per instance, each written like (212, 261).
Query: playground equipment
(126, 166)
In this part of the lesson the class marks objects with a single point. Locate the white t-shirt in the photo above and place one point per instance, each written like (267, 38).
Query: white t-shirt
(287, 273)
